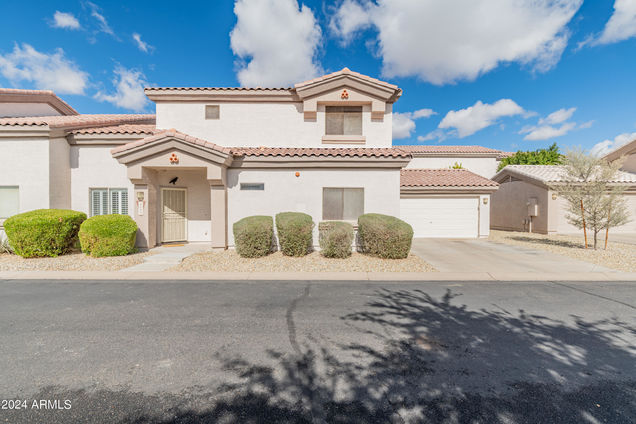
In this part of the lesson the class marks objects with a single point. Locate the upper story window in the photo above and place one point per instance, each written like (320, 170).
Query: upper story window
(212, 111)
(343, 120)
(9, 201)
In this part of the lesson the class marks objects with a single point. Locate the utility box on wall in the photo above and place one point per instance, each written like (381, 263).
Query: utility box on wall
(533, 206)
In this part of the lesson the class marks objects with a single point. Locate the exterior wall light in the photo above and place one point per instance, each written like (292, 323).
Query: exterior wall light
(485, 200)
(554, 196)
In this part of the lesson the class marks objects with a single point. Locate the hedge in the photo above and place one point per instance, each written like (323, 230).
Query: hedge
(108, 235)
(335, 239)
(384, 236)
(253, 236)
(43, 232)
(294, 233)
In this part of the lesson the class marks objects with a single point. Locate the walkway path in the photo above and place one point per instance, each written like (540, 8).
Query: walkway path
(167, 256)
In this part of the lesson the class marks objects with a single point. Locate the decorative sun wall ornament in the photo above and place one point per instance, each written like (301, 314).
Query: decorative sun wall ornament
(344, 95)
(174, 159)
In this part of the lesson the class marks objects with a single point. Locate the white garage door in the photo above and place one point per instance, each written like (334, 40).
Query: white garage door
(453, 217)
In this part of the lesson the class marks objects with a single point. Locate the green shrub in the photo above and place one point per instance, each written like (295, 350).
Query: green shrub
(335, 239)
(253, 236)
(384, 236)
(108, 235)
(294, 233)
(43, 232)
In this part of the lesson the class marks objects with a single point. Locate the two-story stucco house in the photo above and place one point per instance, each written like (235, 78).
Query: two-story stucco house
(211, 156)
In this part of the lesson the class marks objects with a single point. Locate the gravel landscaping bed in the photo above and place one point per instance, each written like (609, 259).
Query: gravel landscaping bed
(71, 262)
(230, 261)
(619, 256)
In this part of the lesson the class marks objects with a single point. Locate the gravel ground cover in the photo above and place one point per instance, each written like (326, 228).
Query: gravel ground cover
(230, 261)
(619, 256)
(70, 262)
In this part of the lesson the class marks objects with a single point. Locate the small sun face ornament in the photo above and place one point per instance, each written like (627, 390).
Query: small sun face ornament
(174, 159)
(344, 95)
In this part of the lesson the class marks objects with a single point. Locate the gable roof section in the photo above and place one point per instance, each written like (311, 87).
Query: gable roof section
(166, 135)
(120, 129)
(78, 121)
(440, 150)
(444, 179)
(15, 95)
(626, 149)
(546, 174)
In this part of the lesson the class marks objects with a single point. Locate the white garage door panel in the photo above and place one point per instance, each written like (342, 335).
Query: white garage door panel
(441, 217)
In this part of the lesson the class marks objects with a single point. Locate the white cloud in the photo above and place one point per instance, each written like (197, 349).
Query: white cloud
(558, 116)
(447, 41)
(479, 116)
(622, 24)
(129, 90)
(277, 42)
(606, 146)
(101, 20)
(404, 123)
(65, 20)
(546, 132)
(142, 45)
(46, 71)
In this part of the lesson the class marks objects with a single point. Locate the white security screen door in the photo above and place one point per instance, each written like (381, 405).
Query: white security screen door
(173, 214)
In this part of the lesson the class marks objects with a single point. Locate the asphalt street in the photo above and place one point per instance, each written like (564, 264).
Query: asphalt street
(300, 351)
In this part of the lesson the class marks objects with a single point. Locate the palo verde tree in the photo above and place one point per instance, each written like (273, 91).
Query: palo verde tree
(594, 199)
(549, 156)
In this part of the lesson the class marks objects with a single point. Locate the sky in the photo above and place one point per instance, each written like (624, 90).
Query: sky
(507, 74)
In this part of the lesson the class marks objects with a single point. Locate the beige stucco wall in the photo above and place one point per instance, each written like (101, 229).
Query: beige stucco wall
(630, 163)
(60, 173)
(265, 124)
(564, 227)
(94, 167)
(509, 207)
(286, 192)
(486, 167)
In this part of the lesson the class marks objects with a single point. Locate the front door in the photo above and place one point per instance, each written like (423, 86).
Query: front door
(174, 225)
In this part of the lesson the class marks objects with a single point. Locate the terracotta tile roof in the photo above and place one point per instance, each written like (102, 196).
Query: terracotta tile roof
(320, 152)
(171, 133)
(346, 71)
(555, 173)
(37, 96)
(150, 89)
(78, 121)
(441, 178)
(120, 129)
(437, 149)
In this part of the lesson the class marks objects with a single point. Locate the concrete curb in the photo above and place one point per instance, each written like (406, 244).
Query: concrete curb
(124, 276)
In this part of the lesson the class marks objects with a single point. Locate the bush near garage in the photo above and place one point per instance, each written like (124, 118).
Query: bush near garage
(384, 236)
(294, 233)
(43, 232)
(108, 235)
(253, 236)
(335, 238)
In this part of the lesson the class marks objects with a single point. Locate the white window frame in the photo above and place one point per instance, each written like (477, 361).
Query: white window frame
(106, 205)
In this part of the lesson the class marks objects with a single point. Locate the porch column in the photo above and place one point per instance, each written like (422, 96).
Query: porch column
(140, 199)
(218, 212)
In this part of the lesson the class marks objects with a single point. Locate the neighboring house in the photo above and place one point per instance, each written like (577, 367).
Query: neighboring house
(480, 160)
(524, 201)
(16, 102)
(626, 152)
(213, 155)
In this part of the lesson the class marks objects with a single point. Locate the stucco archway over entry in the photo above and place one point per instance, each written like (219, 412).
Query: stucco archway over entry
(177, 176)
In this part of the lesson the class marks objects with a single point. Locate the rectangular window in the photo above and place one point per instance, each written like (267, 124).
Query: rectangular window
(252, 186)
(343, 120)
(342, 203)
(212, 112)
(105, 201)
(9, 201)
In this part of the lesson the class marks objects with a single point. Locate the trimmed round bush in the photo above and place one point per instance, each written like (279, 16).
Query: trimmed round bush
(335, 239)
(384, 236)
(43, 232)
(253, 236)
(108, 235)
(294, 233)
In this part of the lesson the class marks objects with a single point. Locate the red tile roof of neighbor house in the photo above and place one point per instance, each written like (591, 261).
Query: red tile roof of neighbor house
(171, 133)
(440, 178)
(320, 152)
(76, 121)
(36, 96)
(120, 129)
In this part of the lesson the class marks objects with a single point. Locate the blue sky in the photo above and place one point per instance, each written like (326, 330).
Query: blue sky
(473, 71)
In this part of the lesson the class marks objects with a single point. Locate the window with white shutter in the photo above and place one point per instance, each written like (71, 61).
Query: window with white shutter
(106, 201)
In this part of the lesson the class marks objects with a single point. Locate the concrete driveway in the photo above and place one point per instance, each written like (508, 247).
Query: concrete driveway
(477, 255)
